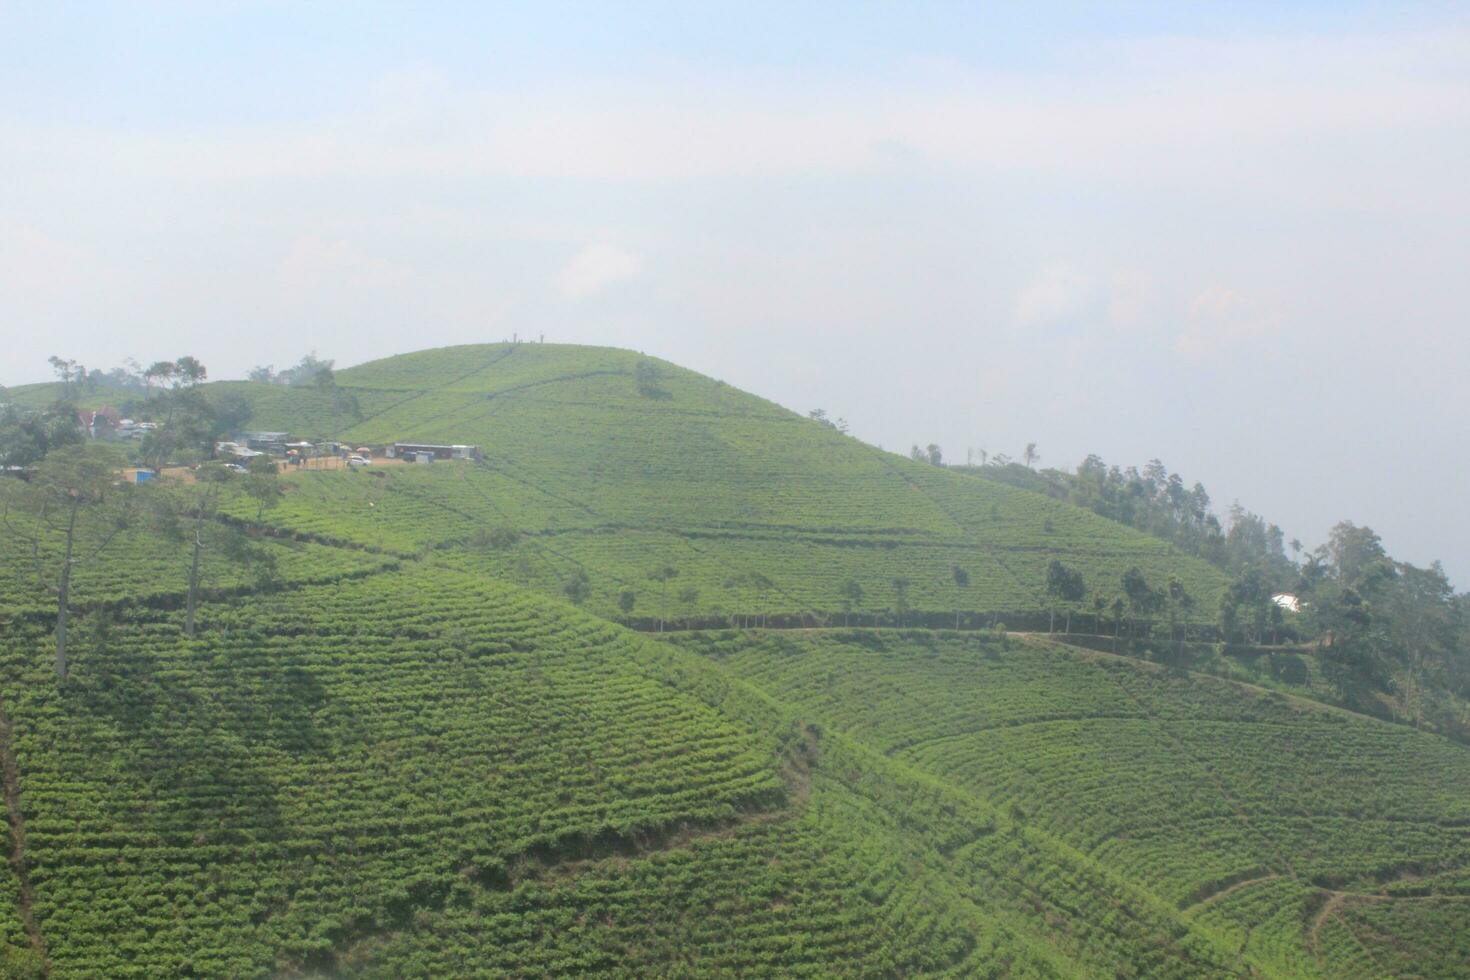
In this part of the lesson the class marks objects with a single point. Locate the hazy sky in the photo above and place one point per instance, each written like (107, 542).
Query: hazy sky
(1232, 236)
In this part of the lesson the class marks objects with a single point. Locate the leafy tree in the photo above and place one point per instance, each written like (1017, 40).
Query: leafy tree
(158, 371)
(186, 433)
(850, 594)
(189, 512)
(1247, 604)
(577, 587)
(307, 371)
(1063, 584)
(188, 372)
(26, 437)
(763, 586)
(627, 599)
(1180, 604)
(263, 484)
(188, 425)
(338, 399)
(961, 582)
(66, 515)
(231, 411)
(1157, 502)
(502, 537)
(71, 374)
(688, 598)
(1030, 455)
(901, 598)
(663, 574)
(648, 377)
(930, 454)
(1143, 601)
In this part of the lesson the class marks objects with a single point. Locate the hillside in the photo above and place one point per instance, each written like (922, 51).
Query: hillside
(760, 511)
(401, 745)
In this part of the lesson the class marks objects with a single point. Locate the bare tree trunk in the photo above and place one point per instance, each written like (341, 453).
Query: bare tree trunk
(1052, 626)
(193, 602)
(63, 591)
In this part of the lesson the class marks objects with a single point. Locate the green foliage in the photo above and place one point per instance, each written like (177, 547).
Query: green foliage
(26, 435)
(386, 758)
(1162, 778)
(594, 474)
(321, 763)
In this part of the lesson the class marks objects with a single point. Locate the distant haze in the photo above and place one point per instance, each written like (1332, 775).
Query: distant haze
(1233, 237)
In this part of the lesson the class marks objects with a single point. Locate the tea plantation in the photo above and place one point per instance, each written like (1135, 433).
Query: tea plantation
(489, 719)
(758, 511)
(1297, 830)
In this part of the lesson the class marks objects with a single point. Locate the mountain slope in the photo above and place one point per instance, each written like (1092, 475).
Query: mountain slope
(406, 753)
(1251, 813)
(616, 464)
(321, 761)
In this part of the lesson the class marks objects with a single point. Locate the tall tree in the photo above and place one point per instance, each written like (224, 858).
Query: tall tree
(901, 598)
(961, 582)
(188, 425)
(263, 484)
(66, 515)
(688, 599)
(1142, 599)
(850, 594)
(1063, 585)
(1180, 605)
(70, 373)
(26, 437)
(189, 512)
(577, 587)
(663, 574)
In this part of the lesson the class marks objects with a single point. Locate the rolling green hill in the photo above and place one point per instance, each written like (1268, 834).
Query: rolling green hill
(759, 511)
(411, 750)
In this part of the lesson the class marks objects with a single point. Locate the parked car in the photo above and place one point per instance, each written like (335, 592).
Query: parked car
(356, 460)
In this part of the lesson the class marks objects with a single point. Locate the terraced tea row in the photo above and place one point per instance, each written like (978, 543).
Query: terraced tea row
(143, 566)
(832, 891)
(321, 762)
(1185, 785)
(720, 571)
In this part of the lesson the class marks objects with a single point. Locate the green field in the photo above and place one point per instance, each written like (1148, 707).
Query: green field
(403, 750)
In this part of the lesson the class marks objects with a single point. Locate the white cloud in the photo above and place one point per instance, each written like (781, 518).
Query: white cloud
(1062, 297)
(596, 267)
(312, 264)
(1220, 317)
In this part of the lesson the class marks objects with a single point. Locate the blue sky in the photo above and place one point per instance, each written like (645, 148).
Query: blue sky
(1231, 236)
